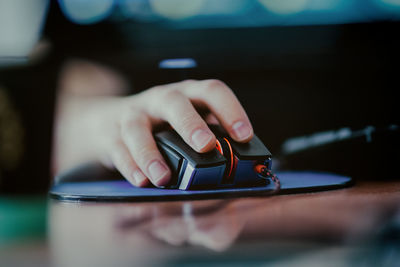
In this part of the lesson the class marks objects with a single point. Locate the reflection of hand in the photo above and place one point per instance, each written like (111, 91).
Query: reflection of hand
(216, 231)
(131, 147)
(212, 224)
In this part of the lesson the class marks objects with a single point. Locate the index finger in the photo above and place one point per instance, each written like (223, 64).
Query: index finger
(223, 103)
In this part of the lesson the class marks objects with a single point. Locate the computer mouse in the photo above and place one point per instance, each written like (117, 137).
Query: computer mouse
(230, 164)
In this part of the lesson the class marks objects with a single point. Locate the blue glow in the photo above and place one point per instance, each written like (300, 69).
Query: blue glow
(177, 63)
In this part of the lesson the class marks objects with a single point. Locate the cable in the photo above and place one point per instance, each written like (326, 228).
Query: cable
(267, 174)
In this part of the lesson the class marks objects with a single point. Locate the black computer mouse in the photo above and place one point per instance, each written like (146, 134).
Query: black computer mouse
(230, 164)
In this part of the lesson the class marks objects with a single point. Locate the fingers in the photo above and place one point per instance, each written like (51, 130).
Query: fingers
(183, 117)
(138, 138)
(125, 164)
(137, 157)
(223, 104)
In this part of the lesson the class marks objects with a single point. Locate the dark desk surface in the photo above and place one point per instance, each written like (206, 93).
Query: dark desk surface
(354, 226)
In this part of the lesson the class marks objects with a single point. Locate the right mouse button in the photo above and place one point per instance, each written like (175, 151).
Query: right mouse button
(246, 156)
(253, 150)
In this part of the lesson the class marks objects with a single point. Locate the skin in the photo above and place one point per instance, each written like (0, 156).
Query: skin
(127, 123)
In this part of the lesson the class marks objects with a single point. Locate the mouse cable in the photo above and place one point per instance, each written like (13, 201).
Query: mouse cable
(265, 173)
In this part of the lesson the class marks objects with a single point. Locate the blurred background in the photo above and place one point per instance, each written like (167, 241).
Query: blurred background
(297, 66)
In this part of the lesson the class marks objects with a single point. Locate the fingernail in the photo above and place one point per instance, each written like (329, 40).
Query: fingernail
(139, 177)
(201, 138)
(158, 172)
(241, 130)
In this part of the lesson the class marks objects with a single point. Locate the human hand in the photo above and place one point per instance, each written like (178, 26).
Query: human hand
(131, 148)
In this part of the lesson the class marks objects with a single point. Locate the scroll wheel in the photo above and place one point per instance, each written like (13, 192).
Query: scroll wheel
(224, 147)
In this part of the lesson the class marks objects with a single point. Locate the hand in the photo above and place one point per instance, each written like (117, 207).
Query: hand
(132, 149)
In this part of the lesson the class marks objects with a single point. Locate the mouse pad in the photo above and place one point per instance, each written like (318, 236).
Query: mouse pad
(122, 191)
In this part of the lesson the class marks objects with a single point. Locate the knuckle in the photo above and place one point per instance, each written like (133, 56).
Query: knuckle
(156, 90)
(188, 81)
(158, 93)
(214, 85)
(165, 100)
(131, 120)
(172, 96)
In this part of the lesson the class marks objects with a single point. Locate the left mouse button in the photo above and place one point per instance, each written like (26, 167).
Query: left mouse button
(174, 162)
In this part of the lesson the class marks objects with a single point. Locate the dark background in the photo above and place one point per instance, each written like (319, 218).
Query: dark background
(292, 80)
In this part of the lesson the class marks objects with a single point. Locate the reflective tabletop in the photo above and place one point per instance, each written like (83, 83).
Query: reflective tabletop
(357, 225)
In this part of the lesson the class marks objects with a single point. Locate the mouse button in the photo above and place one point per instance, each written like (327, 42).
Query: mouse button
(212, 158)
(174, 162)
(208, 177)
(172, 140)
(172, 157)
(254, 149)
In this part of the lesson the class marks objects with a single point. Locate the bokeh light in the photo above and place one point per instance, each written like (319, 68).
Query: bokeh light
(226, 7)
(326, 5)
(140, 10)
(86, 11)
(177, 9)
(177, 63)
(284, 7)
